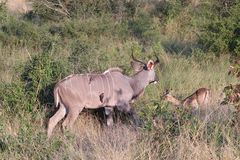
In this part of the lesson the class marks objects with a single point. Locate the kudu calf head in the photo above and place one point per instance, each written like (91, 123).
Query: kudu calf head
(147, 69)
(166, 95)
(169, 97)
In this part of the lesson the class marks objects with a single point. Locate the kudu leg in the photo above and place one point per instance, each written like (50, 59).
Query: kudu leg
(71, 118)
(136, 118)
(126, 107)
(109, 112)
(55, 119)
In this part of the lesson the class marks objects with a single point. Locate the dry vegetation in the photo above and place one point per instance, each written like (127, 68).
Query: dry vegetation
(39, 48)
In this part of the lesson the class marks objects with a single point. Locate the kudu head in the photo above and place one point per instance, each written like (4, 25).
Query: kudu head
(167, 95)
(146, 68)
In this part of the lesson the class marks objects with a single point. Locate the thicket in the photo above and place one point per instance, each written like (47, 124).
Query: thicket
(217, 22)
(220, 34)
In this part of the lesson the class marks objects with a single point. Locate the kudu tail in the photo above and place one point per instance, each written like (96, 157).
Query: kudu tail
(207, 97)
(56, 97)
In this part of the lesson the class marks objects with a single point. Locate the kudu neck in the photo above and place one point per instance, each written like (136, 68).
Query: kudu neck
(174, 101)
(139, 81)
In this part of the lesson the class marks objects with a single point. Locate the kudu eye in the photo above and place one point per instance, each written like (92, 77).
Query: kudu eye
(145, 67)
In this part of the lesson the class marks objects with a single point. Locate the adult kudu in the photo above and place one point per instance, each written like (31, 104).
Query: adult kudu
(109, 89)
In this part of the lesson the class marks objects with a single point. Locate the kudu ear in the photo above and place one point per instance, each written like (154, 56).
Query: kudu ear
(150, 65)
(230, 69)
(231, 86)
(165, 93)
(136, 66)
(238, 94)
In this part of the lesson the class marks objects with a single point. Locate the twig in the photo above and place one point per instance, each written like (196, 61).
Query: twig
(29, 54)
(53, 6)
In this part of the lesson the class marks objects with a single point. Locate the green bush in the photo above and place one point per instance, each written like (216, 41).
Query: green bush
(59, 10)
(13, 98)
(40, 74)
(171, 117)
(80, 57)
(16, 32)
(146, 28)
(167, 10)
(35, 87)
(56, 10)
(3, 13)
(220, 33)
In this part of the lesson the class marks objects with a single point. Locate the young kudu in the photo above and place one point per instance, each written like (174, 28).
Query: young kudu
(199, 98)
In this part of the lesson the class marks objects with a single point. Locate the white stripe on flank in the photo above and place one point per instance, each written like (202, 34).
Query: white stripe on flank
(57, 100)
(90, 87)
(71, 86)
(108, 87)
(112, 82)
(102, 85)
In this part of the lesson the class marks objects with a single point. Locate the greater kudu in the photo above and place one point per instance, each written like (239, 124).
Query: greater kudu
(109, 89)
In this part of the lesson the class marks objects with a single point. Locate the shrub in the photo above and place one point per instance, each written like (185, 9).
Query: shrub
(39, 76)
(18, 33)
(54, 10)
(167, 10)
(82, 56)
(3, 13)
(220, 33)
(145, 28)
(35, 88)
(13, 98)
(57, 11)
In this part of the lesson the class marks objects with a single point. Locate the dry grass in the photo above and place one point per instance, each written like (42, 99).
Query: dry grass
(12, 57)
(123, 141)
(93, 141)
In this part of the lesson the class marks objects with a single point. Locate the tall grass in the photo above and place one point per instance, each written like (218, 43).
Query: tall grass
(177, 135)
(36, 53)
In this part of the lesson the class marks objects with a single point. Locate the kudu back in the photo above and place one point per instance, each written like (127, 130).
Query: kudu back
(109, 89)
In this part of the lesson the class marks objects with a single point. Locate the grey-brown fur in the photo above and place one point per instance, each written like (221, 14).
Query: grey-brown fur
(109, 89)
(199, 98)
